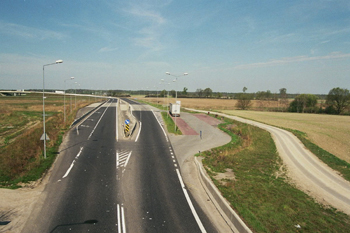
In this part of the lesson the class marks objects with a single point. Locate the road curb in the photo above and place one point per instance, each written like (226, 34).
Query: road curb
(222, 205)
(84, 115)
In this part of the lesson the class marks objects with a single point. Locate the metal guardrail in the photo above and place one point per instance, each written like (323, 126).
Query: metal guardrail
(76, 121)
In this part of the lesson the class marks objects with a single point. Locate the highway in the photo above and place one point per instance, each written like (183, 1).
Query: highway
(103, 182)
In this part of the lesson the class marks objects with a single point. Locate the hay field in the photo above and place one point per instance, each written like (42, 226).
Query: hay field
(330, 132)
(214, 104)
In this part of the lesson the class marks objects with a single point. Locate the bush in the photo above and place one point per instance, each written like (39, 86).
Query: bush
(304, 103)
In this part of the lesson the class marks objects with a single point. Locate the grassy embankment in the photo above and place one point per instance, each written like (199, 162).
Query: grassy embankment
(21, 150)
(260, 192)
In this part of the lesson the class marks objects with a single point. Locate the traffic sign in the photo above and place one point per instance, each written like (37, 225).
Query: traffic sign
(44, 138)
(127, 121)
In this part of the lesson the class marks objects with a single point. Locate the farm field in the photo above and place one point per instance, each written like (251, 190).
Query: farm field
(330, 132)
(21, 128)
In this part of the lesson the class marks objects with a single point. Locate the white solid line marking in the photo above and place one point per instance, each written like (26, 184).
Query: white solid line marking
(200, 225)
(117, 160)
(123, 220)
(166, 137)
(139, 132)
(116, 121)
(118, 214)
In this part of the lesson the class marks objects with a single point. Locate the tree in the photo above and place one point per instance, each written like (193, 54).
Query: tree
(303, 103)
(199, 92)
(283, 97)
(283, 93)
(162, 93)
(184, 92)
(244, 100)
(207, 92)
(338, 99)
(262, 95)
(173, 93)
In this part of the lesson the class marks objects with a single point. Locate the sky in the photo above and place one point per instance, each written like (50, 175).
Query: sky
(303, 46)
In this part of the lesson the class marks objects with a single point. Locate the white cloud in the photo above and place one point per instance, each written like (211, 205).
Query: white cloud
(149, 25)
(29, 32)
(286, 60)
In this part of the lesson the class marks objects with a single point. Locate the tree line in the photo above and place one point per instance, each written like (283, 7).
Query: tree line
(336, 102)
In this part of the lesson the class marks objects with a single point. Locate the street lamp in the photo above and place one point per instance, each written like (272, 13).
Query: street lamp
(44, 134)
(75, 96)
(162, 81)
(71, 78)
(176, 76)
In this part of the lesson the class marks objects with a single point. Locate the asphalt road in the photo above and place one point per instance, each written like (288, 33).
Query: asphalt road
(100, 184)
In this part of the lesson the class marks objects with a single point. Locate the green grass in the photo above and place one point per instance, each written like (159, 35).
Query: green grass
(268, 203)
(170, 124)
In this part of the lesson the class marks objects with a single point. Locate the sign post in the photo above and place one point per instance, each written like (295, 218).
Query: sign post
(127, 126)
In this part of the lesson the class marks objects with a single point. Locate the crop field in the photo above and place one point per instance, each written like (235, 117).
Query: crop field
(330, 132)
(217, 104)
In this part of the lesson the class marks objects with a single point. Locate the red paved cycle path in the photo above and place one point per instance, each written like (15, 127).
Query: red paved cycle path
(184, 127)
(187, 130)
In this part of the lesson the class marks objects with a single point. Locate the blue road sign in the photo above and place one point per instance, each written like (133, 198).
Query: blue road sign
(127, 122)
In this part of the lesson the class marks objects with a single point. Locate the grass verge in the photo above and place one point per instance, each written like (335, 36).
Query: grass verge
(170, 124)
(166, 118)
(259, 192)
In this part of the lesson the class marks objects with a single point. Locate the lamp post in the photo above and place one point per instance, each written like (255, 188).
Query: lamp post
(71, 78)
(44, 134)
(176, 76)
(75, 95)
(167, 103)
(162, 82)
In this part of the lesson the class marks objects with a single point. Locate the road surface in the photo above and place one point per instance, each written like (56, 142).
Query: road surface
(102, 182)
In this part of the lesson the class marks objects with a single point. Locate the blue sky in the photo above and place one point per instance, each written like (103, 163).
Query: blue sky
(226, 45)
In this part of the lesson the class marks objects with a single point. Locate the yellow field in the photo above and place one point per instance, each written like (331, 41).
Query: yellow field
(332, 133)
